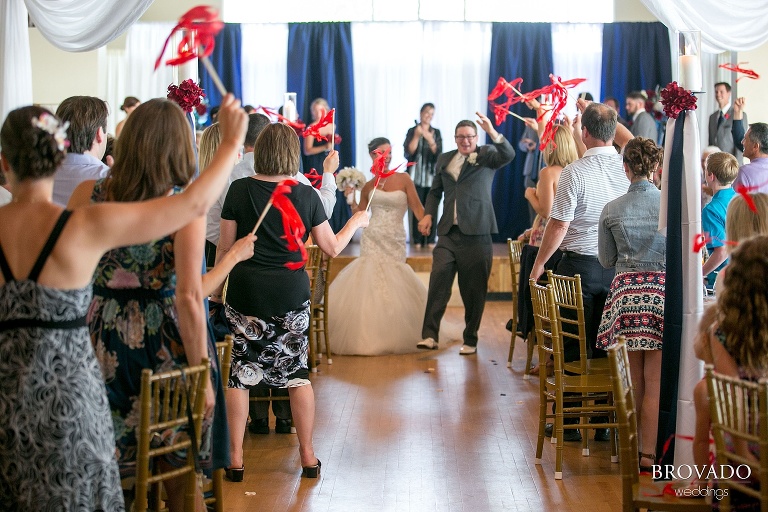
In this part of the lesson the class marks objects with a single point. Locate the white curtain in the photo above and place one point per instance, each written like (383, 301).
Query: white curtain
(141, 47)
(264, 63)
(737, 25)
(83, 25)
(16, 63)
(401, 65)
(577, 52)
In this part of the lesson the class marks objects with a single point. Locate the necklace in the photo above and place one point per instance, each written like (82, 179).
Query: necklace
(383, 182)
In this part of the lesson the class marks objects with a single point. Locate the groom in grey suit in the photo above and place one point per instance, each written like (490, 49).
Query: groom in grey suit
(464, 178)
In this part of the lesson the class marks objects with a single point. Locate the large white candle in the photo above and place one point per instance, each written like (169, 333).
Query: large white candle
(289, 110)
(690, 72)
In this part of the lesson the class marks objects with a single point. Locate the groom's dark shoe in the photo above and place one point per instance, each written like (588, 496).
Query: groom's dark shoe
(427, 343)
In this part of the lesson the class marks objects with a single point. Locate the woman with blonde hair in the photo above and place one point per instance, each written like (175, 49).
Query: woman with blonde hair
(268, 295)
(542, 197)
(52, 381)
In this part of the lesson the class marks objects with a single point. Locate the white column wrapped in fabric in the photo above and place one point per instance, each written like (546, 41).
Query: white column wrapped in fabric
(691, 369)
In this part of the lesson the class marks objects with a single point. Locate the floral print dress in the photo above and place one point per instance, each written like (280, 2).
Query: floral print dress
(134, 325)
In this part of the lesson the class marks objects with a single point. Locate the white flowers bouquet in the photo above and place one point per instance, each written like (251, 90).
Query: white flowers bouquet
(349, 177)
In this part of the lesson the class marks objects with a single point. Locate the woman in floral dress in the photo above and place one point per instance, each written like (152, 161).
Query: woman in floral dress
(56, 436)
(147, 309)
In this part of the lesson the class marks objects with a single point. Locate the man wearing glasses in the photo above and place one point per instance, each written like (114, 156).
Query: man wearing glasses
(464, 178)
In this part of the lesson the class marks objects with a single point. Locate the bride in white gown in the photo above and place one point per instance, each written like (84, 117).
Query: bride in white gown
(376, 303)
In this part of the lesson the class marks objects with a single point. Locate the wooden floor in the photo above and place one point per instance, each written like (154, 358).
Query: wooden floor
(429, 431)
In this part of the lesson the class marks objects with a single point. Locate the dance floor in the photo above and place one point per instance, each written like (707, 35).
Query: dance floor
(428, 431)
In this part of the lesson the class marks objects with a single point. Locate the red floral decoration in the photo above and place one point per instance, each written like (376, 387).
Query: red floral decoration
(676, 99)
(188, 95)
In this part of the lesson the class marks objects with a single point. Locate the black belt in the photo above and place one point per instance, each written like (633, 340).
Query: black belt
(576, 255)
(31, 323)
(133, 293)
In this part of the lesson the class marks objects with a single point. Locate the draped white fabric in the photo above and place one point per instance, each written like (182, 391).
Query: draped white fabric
(83, 25)
(264, 63)
(15, 60)
(737, 25)
(577, 52)
(401, 65)
(142, 45)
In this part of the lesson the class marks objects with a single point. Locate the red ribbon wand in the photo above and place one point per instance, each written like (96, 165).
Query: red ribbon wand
(200, 25)
(748, 73)
(379, 171)
(297, 125)
(293, 226)
(314, 130)
(314, 177)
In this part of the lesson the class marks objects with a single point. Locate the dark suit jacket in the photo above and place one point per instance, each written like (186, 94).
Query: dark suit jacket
(474, 209)
(721, 136)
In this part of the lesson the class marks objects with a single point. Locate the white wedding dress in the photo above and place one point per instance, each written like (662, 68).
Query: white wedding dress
(376, 303)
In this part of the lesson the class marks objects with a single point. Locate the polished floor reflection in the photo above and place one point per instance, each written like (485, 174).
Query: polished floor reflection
(422, 432)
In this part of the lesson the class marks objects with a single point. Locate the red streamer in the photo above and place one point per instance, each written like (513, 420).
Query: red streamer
(558, 89)
(200, 25)
(702, 239)
(293, 226)
(314, 177)
(297, 125)
(748, 73)
(379, 168)
(745, 193)
(314, 130)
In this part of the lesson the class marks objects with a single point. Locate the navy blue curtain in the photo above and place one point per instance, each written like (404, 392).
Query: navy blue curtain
(517, 50)
(226, 61)
(320, 66)
(635, 57)
(673, 309)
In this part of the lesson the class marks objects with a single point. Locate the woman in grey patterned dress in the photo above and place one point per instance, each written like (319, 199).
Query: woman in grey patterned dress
(56, 440)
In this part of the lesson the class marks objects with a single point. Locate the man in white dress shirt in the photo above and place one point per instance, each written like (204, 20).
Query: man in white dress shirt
(87, 135)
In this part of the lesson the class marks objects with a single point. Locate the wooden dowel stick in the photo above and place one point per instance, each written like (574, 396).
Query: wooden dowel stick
(214, 76)
(261, 217)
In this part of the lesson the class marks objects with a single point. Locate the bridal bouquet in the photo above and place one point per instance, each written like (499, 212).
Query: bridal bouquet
(349, 177)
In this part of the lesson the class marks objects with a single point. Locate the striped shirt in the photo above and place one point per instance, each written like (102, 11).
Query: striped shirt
(585, 187)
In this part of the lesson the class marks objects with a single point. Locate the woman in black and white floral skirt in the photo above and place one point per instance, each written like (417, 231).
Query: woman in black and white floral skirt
(268, 295)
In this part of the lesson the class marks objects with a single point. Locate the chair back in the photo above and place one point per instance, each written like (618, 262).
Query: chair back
(224, 353)
(164, 399)
(626, 417)
(547, 330)
(569, 306)
(314, 260)
(515, 250)
(739, 417)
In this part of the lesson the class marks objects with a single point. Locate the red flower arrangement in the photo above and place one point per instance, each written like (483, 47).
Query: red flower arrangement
(188, 95)
(676, 99)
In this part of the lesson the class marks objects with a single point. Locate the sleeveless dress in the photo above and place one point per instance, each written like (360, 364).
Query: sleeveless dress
(57, 448)
(134, 325)
(376, 303)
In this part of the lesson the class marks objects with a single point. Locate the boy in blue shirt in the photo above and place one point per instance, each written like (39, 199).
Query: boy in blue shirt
(722, 169)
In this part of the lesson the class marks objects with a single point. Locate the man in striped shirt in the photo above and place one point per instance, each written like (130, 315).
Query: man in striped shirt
(585, 187)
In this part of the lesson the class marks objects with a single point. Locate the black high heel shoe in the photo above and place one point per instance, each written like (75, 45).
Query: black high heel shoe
(235, 474)
(311, 471)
